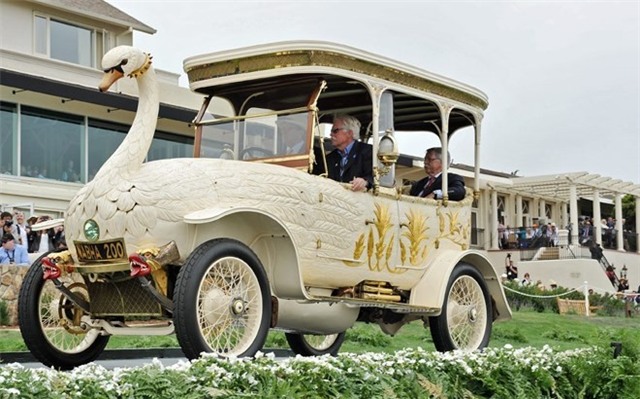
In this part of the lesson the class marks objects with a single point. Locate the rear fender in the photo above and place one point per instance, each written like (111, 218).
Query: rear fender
(267, 236)
(431, 289)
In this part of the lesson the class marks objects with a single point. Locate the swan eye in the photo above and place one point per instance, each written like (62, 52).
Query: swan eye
(124, 62)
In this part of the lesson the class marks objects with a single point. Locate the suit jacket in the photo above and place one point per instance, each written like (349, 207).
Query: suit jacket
(456, 190)
(359, 164)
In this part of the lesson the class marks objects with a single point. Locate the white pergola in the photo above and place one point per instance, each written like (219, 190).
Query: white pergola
(566, 188)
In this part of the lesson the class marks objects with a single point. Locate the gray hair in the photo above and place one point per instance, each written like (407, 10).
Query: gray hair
(350, 123)
(438, 152)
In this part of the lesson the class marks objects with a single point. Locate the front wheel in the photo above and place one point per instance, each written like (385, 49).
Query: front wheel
(465, 321)
(222, 301)
(315, 345)
(50, 323)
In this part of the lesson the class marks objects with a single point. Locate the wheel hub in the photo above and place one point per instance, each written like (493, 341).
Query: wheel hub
(237, 306)
(473, 315)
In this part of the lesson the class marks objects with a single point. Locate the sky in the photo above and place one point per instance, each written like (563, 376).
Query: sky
(562, 77)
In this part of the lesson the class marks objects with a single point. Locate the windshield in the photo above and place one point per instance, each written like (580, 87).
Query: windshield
(257, 137)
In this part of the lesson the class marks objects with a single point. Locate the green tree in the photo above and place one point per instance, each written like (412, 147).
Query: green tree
(629, 211)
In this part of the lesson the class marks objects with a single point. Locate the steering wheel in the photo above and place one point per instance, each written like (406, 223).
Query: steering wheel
(254, 152)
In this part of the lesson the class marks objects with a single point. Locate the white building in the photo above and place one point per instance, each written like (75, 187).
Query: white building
(56, 129)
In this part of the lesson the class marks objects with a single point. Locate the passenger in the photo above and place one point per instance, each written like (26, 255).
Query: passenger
(10, 253)
(293, 134)
(351, 161)
(431, 186)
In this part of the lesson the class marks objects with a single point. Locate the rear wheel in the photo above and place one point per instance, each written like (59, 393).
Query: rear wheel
(315, 345)
(222, 301)
(50, 323)
(465, 321)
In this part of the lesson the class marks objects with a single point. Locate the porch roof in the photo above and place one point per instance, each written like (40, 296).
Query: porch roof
(557, 186)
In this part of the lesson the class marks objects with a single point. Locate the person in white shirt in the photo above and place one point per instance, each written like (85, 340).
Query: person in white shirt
(20, 229)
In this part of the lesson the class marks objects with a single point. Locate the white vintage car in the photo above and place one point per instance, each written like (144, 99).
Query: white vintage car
(243, 238)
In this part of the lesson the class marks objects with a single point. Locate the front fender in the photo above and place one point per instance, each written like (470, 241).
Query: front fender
(264, 233)
(431, 289)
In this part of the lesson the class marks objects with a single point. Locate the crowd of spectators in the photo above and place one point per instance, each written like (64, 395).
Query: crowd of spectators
(538, 235)
(17, 229)
(586, 230)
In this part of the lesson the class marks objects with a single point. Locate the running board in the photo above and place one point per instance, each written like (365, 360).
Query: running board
(363, 303)
(126, 330)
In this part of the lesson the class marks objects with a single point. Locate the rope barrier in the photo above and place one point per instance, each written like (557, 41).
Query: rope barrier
(542, 296)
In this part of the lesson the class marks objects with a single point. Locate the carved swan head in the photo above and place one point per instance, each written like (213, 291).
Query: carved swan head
(123, 61)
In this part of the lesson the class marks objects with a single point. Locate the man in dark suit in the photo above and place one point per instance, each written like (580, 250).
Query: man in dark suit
(352, 160)
(431, 186)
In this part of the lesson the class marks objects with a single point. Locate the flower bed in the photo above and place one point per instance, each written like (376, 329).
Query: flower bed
(411, 373)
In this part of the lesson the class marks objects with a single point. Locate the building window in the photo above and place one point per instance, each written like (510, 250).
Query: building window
(166, 145)
(64, 41)
(59, 146)
(51, 144)
(8, 138)
(548, 211)
(103, 139)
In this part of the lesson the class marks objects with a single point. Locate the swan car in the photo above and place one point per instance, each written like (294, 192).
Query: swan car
(250, 234)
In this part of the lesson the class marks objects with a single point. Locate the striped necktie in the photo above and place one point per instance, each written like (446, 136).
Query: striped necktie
(424, 191)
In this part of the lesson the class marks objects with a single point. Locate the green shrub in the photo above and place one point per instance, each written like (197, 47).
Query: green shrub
(4, 314)
(509, 334)
(368, 336)
(276, 339)
(561, 335)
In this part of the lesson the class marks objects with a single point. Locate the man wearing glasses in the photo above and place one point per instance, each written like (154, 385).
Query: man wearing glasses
(351, 161)
(431, 186)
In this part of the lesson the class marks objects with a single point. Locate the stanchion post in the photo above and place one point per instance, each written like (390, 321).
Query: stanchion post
(587, 311)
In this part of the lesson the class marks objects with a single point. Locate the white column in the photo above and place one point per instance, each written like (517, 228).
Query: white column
(494, 220)
(518, 211)
(534, 208)
(620, 233)
(565, 214)
(573, 214)
(485, 214)
(542, 204)
(476, 158)
(638, 224)
(597, 217)
(510, 207)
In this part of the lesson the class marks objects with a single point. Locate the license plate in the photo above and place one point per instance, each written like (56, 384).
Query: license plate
(102, 251)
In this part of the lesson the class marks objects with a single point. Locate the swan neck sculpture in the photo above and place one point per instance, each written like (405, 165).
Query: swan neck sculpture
(128, 61)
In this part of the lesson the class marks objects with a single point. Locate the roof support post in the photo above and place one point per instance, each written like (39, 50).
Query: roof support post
(597, 217)
(543, 210)
(565, 214)
(638, 224)
(476, 159)
(573, 210)
(619, 231)
(444, 141)
(494, 220)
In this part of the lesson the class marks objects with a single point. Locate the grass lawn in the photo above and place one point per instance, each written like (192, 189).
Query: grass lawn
(527, 328)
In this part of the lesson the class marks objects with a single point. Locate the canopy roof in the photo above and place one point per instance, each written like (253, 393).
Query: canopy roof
(286, 58)
(557, 186)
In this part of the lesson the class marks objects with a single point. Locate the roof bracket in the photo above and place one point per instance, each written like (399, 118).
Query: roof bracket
(18, 91)
(110, 110)
(66, 100)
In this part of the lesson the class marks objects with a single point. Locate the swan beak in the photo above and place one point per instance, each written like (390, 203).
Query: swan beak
(108, 79)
